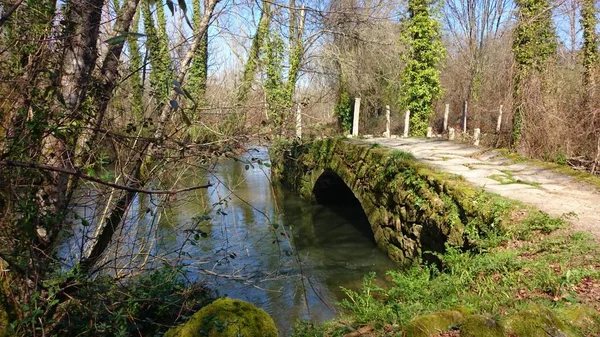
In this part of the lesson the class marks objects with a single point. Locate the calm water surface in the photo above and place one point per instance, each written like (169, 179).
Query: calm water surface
(249, 240)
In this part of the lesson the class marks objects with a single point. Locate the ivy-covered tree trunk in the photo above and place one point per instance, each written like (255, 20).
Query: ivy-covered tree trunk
(254, 54)
(420, 78)
(196, 81)
(591, 57)
(275, 90)
(533, 45)
(296, 48)
(156, 43)
(135, 66)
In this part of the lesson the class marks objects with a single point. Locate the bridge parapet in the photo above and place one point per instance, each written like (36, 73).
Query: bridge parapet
(414, 211)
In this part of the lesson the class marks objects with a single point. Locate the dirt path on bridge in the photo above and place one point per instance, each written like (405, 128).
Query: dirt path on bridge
(552, 192)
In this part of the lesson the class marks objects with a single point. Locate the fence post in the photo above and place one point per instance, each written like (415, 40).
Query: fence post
(356, 117)
(465, 117)
(446, 113)
(387, 133)
(406, 122)
(451, 133)
(499, 124)
(476, 134)
(299, 121)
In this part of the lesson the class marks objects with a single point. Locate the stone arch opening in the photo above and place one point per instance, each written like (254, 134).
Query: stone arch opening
(330, 190)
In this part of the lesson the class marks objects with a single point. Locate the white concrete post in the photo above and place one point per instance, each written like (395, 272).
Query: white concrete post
(499, 124)
(406, 121)
(451, 133)
(356, 117)
(446, 113)
(429, 132)
(465, 117)
(299, 121)
(387, 133)
(476, 134)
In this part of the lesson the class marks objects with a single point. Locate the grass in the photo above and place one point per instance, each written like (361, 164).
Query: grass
(513, 274)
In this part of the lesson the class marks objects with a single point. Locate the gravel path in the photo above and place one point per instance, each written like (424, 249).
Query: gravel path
(554, 193)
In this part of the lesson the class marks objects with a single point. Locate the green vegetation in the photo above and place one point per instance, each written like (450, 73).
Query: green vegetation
(520, 283)
(198, 74)
(343, 111)
(158, 52)
(145, 305)
(420, 78)
(227, 318)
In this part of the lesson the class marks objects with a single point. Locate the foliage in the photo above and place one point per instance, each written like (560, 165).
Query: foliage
(420, 78)
(144, 305)
(533, 45)
(344, 110)
(362, 305)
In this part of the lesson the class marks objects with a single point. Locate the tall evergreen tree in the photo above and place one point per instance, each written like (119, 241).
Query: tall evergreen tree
(421, 76)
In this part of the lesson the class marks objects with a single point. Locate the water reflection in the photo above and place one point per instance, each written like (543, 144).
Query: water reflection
(262, 243)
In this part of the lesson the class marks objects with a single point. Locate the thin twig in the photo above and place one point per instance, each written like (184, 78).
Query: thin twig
(98, 180)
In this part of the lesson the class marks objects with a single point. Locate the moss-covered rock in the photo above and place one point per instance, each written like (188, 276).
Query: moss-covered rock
(227, 317)
(428, 325)
(481, 326)
(586, 320)
(537, 322)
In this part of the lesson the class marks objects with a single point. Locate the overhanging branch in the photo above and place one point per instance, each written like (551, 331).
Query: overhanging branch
(98, 180)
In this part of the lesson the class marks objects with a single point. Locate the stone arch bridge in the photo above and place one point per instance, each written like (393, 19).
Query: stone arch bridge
(413, 210)
(450, 194)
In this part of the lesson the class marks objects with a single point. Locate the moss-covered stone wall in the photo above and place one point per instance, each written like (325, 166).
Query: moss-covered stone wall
(412, 208)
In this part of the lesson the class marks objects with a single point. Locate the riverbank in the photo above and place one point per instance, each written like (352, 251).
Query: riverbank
(540, 278)
(521, 270)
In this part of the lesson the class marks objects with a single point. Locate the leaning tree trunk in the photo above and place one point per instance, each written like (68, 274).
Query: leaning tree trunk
(109, 75)
(82, 19)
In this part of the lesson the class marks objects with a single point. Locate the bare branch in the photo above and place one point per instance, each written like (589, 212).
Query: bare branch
(98, 180)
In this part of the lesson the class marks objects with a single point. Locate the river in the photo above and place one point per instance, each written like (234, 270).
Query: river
(248, 239)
